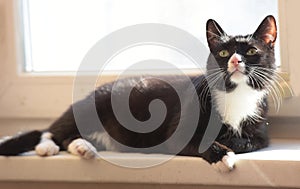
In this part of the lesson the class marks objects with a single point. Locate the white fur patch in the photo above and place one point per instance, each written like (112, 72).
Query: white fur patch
(242, 39)
(104, 139)
(226, 164)
(5, 138)
(237, 105)
(225, 38)
(46, 147)
(82, 148)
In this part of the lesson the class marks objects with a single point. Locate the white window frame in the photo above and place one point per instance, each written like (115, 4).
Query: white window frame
(30, 95)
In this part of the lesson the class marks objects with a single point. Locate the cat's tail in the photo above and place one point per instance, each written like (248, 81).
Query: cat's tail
(12, 146)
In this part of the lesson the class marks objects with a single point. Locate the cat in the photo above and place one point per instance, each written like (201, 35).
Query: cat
(240, 74)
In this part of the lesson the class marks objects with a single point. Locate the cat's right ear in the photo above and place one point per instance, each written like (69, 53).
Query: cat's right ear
(267, 31)
(214, 33)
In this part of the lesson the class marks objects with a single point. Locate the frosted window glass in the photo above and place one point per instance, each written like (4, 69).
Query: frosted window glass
(59, 33)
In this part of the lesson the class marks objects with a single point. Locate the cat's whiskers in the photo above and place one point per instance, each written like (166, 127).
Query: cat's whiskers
(211, 81)
(255, 118)
(211, 78)
(269, 81)
(215, 69)
(268, 90)
(273, 95)
(253, 81)
(275, 84)
(272, 75)
(273, 78)
(272, 90)
(279, 80)
(214, 80)
(199, 84)
(204, 97)
(261, 79)
(210, 75)
(260, 87)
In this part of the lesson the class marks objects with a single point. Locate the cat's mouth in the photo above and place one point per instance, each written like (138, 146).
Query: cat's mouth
(237, 75)
(236, 70)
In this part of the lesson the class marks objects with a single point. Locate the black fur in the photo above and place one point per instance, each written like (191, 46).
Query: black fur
(254, 132)
(20, 143)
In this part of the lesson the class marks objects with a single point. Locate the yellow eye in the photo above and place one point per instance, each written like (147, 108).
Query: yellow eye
(224, 53)
(252, 51)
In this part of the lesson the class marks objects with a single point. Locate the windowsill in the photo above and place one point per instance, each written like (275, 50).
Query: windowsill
(275, 166)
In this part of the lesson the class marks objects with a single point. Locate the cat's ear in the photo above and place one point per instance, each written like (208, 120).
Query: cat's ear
(214, 33)
(267, 31)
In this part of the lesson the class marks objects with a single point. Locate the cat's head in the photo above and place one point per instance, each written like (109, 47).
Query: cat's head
(248, 58)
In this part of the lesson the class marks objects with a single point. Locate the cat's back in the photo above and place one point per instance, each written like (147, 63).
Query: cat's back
(138, 93)
(148, 86)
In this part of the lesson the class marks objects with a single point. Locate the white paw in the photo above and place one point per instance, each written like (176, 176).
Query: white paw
(82, 148)
(46, 148)
(226, 164)
(5, 138)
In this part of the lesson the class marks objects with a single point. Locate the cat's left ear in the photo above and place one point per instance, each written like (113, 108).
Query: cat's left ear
(214, 33)
(267, 31)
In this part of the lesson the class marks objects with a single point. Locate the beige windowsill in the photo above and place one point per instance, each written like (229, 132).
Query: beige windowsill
(275, 166)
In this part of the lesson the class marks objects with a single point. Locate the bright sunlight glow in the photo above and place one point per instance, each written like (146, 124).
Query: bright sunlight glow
(58, 33)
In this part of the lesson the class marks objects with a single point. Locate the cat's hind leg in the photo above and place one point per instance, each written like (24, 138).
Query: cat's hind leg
(46, 146)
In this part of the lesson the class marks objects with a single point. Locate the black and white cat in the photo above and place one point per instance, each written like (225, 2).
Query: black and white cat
(240, 75)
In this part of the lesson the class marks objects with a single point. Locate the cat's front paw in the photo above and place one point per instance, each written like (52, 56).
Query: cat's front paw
(82, 148)
(46, 148)
(226, 164)
(221, 157)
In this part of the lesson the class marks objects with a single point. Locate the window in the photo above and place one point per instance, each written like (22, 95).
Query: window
(26, 95)
(58, 33)
(39, 91)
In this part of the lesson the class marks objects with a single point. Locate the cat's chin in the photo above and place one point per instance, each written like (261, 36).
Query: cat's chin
(238, 77)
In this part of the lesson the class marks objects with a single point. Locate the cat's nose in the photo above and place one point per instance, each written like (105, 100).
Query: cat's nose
(235, 59)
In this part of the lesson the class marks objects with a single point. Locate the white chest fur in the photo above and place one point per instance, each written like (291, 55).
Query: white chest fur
(239, 104)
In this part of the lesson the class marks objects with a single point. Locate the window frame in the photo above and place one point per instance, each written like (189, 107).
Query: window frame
(20, 92)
